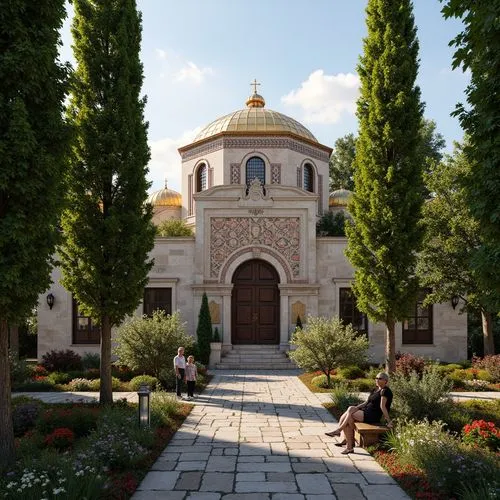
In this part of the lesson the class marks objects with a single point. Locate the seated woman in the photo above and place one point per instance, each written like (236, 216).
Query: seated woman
(377, 405)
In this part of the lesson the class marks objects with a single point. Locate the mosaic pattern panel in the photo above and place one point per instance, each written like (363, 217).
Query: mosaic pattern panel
(275, 173)
(228, 234)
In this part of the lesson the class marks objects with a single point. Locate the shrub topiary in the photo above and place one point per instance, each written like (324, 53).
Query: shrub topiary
(62, 361)
(136, 382)
(204, 331)
(351, 372)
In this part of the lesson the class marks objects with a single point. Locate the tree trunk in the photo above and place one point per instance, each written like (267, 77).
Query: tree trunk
(106, 392)
(6, 429)
(390, 345)
(14, 339)
(488, 343)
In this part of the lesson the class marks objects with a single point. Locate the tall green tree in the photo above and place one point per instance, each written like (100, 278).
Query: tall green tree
(342, 163)
(204, 331)
(107, 226)
(344, 154)
(386, 207)
(478, 50)
(33, 145)
(451, 237)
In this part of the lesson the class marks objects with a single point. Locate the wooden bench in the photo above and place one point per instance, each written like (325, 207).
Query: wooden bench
(368, 434)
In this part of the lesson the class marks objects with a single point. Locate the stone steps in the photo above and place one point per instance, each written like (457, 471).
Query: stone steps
(255, 357)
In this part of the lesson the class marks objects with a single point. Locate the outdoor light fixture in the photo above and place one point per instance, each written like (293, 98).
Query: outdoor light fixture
(454, 301)
(50, 300)
(144, 405)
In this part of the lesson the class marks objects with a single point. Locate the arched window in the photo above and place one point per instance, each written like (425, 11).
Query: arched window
(255, 168)
(201, 178)
(308, 178)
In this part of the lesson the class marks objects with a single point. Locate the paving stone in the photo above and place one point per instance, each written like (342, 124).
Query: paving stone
(288, 496)
(198, 465)
(221, 464)
(250, 459)
(162, 464)
(250, 476)
(345, 477)
(217, 481)
(159, 480)
(158, 495)
(193, 457)
(195, 495)
(313, 483)
(323, 497)
(384, 492)
(309, 467)
(281, 476)
(246, 496)
(265, 486)
(265, 467)
(189, 481)
(350, 492)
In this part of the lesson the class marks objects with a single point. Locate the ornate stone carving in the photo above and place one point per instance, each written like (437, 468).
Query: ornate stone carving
(255, 190)
(235, 173)
(214, 309)
(275, 173)
(228, 234)
(256, 211)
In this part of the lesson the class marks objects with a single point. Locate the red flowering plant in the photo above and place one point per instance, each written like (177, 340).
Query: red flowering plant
(482, 434)
(62, 438)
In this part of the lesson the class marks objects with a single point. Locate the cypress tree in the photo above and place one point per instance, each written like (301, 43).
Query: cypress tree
(107, 227)
(385, 235)
(204, 331)
(33, 146)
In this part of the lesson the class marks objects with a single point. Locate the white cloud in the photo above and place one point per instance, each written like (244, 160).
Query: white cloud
(162, 54)
(324, 98)
(191, 72)
(165, 160)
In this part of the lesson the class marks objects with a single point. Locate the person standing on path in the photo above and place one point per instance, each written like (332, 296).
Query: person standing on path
(179, 367)
(191, 375)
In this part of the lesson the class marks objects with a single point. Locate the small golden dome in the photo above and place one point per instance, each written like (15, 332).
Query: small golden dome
(165, 198)
(339, 198)
(255, 119)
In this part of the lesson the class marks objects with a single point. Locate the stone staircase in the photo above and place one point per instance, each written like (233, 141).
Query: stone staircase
(255, 357)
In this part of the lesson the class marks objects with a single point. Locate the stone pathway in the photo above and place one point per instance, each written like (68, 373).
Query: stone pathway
(260, 436)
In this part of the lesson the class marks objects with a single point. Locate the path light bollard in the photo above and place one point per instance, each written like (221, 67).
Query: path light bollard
(144, 405)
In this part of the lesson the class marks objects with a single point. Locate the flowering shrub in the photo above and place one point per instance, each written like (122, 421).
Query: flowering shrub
(483, 434)
(24, 417)
(408, 363)
(79, 419)
(489, 363)
(61, 439)
(39, 370)
(80, 384)
(136, 382)
(476, 385)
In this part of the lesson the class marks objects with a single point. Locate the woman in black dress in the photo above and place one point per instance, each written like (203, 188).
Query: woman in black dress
(377, 405)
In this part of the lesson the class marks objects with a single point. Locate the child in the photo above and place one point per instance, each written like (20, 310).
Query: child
(191, 374)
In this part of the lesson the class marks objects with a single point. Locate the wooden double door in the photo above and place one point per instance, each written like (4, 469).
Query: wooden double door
(255, 304)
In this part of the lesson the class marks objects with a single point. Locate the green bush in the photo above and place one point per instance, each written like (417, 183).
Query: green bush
(362, 384)
(326, 344)
(19, 369)
(61, 361)
(416, 398)
(35, 386)
(321, 381)
(81, 420)
(342, 397)
(80, 384)
(173, 227)
(91, 360)
(351, 372)
(58, 378)
(149, 344)
(136, 382)
(204, 331)
(164, 407)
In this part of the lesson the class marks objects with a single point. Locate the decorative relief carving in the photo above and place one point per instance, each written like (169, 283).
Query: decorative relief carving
(235, 173)
(298, 309)
(255, 191)
(256, 142)
(214, 309)
(275, 173)
(256, 211)
(228, 234)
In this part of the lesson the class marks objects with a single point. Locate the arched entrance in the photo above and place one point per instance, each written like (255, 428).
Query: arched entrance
(255, 304)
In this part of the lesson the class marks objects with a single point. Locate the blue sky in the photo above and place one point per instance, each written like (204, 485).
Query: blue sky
(200, 56)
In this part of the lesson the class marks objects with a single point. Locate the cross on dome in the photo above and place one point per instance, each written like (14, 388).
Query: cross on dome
(254, 83)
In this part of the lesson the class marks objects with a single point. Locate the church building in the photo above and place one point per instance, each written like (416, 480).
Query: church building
(254, 184)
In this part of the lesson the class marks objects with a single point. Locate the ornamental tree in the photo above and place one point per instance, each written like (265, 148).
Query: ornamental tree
(107, 225)
(204, 331)
(33, 147)
(452, 235)
(385, 235)
(478, 50)
(326, 343)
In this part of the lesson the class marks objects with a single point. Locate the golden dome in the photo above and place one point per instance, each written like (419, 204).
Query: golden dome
(165, 198)
(339, 198)
(255, 119)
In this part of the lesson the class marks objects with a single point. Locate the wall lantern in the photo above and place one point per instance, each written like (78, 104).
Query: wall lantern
(144, 405)
(454, 301)
(50, 300)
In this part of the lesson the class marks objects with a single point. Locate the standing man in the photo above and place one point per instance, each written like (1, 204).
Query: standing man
(179, 367)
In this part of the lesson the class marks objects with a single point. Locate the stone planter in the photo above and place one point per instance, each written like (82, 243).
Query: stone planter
(215, 353)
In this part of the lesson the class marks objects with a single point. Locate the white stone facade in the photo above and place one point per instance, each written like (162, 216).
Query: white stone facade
(236, 224)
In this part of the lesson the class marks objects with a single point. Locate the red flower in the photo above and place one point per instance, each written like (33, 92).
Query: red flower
(61, 438)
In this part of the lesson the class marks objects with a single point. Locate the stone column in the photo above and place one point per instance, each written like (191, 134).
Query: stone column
(284, 322)
(226, 321)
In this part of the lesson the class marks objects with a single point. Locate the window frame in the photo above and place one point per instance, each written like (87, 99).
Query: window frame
(201, 177)
(310, 169)
(93, 331)
(419, 335)
(148, 310)
(355, 312)
(262, 179)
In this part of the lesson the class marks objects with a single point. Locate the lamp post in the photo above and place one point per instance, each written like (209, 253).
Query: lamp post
(144, 405)
(50, 300)
(454, 301)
